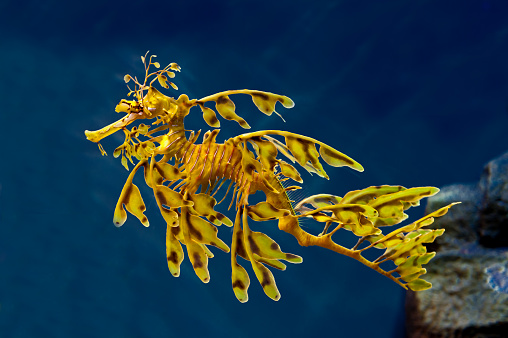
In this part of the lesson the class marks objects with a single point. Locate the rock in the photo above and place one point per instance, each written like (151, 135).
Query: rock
(469, 297)
(461, 222)
(493, 227)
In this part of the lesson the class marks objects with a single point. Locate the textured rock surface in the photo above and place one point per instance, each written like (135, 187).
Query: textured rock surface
(469, 297)
(493, 227)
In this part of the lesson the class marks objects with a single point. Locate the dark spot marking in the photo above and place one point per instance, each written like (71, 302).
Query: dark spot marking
(127, 194)
(222, 100)
(250, 168)
(197, 261)
(240, 250)
(291, 256)
(192, 230)
(261, 96)
(161, 198)
(273, 265)
(253, 246)
(274, 246)
(266, 279)
(238, 284)
(347, 160)
(175, 230)
(214, 120)
(173, 257)
(354, 208)
(206, 136)
(144, 219)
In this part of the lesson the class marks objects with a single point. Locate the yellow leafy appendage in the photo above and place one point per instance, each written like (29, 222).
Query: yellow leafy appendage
(185, 178)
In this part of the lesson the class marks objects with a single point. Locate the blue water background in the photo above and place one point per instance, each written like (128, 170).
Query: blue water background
(416, 91)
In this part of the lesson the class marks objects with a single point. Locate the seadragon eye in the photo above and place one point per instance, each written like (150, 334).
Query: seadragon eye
(188, 179)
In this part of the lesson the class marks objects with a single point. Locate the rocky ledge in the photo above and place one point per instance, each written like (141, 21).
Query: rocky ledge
(469, 297)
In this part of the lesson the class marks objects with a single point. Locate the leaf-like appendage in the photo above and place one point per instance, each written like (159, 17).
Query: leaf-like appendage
(196, 251)
(226, 109)
(210, 117)
(391, 208)
(174, 251)
(120, 215)
(396, 236)
(264, 211)
(249, 164)
(152, 175)
(203, 232)
(266, 101)
(266, 279)
(319, 201)
(169, 172)
(419, 285)
(171, 198)
(131, 198)
(204, 206)
(336, 158)
(241, 282)
(404, 246)
(170, 216)
(267, 153)
(239, 277)
(354, 217)
(263, 102)
(199, 260)
(407, 251)
(260, 249)
(289, 171)
(305, 151)
(367, 195)
(302, 149)
(265, 247)
(163, 81)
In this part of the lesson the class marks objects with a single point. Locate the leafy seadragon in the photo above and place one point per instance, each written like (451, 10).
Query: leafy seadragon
(185, 178)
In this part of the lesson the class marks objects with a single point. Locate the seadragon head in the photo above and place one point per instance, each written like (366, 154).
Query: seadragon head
(148, 102)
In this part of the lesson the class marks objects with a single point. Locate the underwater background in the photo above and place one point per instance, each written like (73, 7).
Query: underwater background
(417, 92)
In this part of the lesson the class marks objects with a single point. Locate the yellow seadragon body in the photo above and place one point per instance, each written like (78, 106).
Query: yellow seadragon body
(185, 177)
